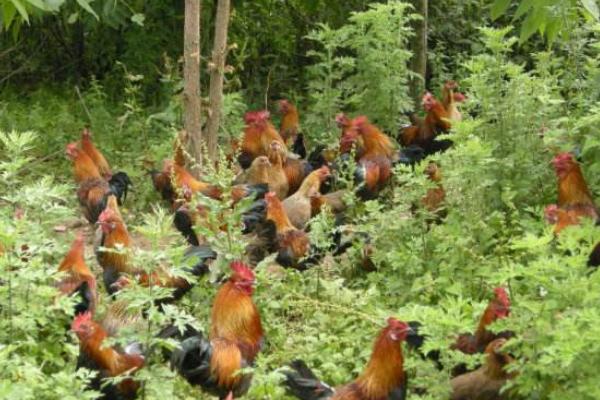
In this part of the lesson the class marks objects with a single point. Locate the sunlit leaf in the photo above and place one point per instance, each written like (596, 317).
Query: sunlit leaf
(592, 7)
(499, 8)
(85, 4)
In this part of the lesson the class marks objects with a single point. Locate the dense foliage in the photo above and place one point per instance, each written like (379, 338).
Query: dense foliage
(525, 103)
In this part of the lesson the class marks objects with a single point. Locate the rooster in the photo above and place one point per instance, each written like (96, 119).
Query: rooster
(113, 246)
(93, 189)
(420, 139)
(258, 135)
(236, 337)
(573, 192)
(119, 182)
(433, 201)
(291, 244)
(97, 157)
(110, 362)
(450, 100)
(383, 377)
(375, 154)
(298, 206)
(498, 308)
(290, 122)
(79, 278)
(485, 383)
(277, 178)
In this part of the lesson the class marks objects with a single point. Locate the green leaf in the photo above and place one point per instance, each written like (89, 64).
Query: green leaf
(499, 8)
(53, 5)
(73, 18)
(530, 25)
(552, 29)
(592, 7)
(523, 8)
(138, 19)
(38, 4)
(85, 4)
(21, 9)
(8, 14)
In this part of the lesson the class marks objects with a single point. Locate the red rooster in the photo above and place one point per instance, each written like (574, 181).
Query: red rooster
(80, 278)
(383, 377)
(95, 355)
(235, 339)
(573, 192)
(375, 154)
(258, 135)
(498, 308)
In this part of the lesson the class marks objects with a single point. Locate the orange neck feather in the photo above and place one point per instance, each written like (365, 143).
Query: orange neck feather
(85, 168)
(376, 142)
(385, 370)
(235, 317)
(107, 357)
(90, 149)
(437, 116)
(488, 317)
(290, 122)
(276, 213)
(573, 189)
(311, 184)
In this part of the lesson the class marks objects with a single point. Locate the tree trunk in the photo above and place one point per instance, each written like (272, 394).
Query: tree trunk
(217, 71)
(419, 48)
(191, 77)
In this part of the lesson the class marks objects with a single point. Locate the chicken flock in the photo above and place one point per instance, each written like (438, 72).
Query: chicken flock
(285, 186)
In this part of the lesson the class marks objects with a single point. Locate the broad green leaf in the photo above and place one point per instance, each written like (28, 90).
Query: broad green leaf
(8, 14)
(138, 19)
(499, 8)
(73, 18)
(592, 7)
(54, 5)
(21, 9)
(523, 8)
(552, 29)
(38, 4)
(85, 4)
(530, 25)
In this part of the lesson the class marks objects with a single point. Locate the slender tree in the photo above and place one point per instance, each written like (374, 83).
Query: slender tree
(419, 48)
(191, 76)
(217, 72)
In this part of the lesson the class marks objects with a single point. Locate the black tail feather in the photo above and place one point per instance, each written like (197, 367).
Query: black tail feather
(183, 223)
(303, 384)
(258, 190)
(192, 359)
(299, 147)
(203, 254)
(255, 215)
(119, 186)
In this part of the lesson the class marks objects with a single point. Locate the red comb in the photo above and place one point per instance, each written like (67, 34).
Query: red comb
(254, 117)
(427, 96)
(71, 146)
(502, 296)
(341, 119)
(361, 120)
(459, 97)
(81, 319)
(242, 271)
(566, 156)
(270, 196)
(106, 215)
